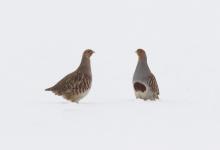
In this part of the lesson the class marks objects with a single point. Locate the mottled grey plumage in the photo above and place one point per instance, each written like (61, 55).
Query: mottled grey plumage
(77, 84)
(144, 82)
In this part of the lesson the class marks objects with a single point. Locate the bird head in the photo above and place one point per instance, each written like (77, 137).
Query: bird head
(88, 53)
(141, 53)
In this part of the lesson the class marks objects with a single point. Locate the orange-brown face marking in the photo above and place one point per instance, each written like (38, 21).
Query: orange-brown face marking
(88, 53)
(140, 53)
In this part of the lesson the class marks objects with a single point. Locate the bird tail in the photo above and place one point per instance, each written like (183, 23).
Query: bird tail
(49, 89)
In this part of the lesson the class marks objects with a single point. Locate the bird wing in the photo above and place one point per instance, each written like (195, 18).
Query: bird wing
(75, 82)
(152, 83)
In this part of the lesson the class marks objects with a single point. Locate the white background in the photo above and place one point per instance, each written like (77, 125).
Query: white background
(42, 41)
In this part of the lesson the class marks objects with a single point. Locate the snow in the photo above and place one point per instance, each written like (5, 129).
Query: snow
(42, 41)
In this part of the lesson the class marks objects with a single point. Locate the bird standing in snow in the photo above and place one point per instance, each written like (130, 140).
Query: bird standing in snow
(144, 82)
(77, 84)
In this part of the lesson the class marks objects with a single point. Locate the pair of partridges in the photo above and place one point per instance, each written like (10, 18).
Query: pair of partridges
(77, 84)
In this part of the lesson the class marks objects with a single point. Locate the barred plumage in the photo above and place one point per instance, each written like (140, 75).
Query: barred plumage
(76, 85)
(152, 82)
(145, 84)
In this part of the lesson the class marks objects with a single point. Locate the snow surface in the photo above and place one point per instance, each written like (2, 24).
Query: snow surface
(42, 41)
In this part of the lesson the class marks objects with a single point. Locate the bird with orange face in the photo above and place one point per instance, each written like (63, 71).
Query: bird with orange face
(144, 82)
(77, 84)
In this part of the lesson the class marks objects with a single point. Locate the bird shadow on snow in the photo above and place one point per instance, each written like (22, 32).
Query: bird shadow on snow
(103, 103)
(119, 101)
(116, 102)
(107, 102)
(56, 102)
(100, 105)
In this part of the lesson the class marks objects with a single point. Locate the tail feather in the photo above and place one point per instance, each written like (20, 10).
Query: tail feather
(49, 89)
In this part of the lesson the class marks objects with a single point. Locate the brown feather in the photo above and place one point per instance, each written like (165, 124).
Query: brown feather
(76, 85)
(152, 83)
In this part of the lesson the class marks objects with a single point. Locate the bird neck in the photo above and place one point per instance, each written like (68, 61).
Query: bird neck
(85, 65)
(142, 60)
(142, 64)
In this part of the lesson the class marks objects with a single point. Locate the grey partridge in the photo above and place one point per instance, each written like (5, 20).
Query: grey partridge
(144, 82)
(77, 84)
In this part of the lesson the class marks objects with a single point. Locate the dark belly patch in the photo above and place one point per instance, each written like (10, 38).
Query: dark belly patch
(139, 87)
